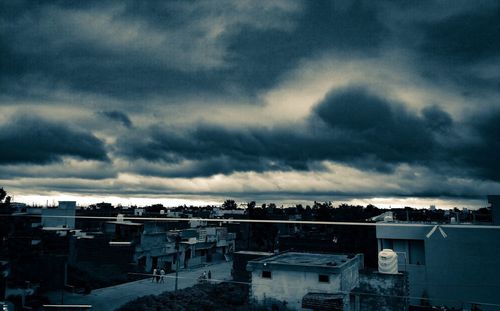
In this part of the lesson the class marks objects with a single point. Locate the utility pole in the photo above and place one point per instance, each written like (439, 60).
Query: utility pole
(65, 281)
(178, 259)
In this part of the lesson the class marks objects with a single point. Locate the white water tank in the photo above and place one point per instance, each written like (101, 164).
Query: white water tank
(388, 262)
(388, 218)
(120, 218)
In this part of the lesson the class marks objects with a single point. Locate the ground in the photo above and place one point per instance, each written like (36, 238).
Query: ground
(110, 298)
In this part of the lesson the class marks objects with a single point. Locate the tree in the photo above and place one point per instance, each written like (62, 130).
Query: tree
(250, 209)
(229, 205)
(323, 211)
(3, 195)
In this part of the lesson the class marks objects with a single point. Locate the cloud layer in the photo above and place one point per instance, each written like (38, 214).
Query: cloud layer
(250, 98)
(38, 141)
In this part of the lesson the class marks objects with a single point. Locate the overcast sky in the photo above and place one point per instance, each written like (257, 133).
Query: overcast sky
(283, 100)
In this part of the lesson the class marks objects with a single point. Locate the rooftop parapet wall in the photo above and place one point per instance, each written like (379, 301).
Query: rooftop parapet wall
(307, 262)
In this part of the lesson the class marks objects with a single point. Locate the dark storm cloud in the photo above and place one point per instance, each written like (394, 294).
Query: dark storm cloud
(120, 49)
(437, 119)
(376, 126)
(117, 116)
(481, 154)
(462, 48)
(96, 170)
(263, 56)
(350, 126)
(217, 149)
(28, 139)
(136, 49)
(210, 165)
(467, 37)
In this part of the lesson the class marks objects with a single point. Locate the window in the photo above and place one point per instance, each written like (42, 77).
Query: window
(417, 252)
(266, 274)
(323, 278)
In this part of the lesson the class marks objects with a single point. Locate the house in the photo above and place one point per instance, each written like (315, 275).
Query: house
(61, 217)
(156, 248)
(28, 242)
(206, 244)
(197, 246)
(139, 211)
(304, 281)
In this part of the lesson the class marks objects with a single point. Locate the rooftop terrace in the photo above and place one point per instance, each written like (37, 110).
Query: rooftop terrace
(305, 261)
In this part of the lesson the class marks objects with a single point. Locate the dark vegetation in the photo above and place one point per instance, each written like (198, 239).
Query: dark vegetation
(201, 297)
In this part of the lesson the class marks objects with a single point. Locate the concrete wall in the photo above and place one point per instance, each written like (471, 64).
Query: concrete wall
(349, 278)
(291, 286)
(461, 268)
(382, 292)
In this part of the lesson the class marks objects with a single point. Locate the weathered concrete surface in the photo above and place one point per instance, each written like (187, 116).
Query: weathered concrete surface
(383, 292)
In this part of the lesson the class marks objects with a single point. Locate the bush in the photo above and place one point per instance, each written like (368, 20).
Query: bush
(204, 297)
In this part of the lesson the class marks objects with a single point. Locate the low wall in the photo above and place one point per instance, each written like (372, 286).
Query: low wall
(383, 292)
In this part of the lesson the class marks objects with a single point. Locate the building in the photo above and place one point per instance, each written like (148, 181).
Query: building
(448, 264)
(197, 246)
(206, 244)
(304, 281)
(139, 211)
(63, 216)
(240, 260)
(156, 248)
(28, 243)
(494, 201)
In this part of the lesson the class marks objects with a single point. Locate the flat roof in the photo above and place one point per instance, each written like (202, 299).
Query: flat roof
(126, 223)
(309, 259)
(57, 229)
(254, 253)
(304, 262)
(120, 243)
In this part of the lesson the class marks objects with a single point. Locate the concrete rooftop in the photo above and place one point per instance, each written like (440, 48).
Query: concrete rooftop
(294, 261)
(309, 259)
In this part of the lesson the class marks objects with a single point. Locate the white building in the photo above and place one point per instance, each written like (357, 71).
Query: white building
(139, 211)
(301, 280)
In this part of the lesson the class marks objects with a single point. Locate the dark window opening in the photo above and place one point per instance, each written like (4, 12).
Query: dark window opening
(266, 274)
(323, 278)
(416, 250)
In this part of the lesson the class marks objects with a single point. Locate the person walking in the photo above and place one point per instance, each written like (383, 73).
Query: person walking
(203, 277)
(162, 276)
(209, 274)
(154, 275)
